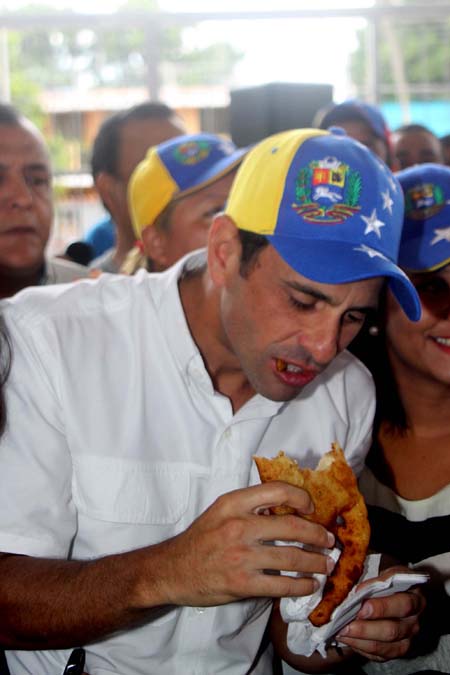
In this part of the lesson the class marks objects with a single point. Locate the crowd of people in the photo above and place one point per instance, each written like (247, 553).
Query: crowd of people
(233, 302)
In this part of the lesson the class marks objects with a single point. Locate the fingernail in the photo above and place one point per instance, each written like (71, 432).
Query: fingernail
(330, 564)
(330, 539)
(343, 632)
(365, 612)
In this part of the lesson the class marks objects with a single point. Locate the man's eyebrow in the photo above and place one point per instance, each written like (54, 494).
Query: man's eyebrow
(309, 290)
(33, 166)
(319, 295)
(37, 166)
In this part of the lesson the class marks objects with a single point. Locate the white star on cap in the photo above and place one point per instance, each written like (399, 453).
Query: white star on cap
(441, 235)
(387, 201)
(373, 224)
(370, 252)
(392, 183)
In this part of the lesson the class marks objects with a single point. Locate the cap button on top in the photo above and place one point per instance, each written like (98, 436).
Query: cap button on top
(337, 131)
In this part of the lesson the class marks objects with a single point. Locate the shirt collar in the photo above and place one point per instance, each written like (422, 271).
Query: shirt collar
(181, 343)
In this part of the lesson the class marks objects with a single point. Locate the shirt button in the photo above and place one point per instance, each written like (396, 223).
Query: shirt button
(227, 433)
(199, 610)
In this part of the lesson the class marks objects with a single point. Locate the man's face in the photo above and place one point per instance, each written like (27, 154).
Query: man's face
(136, 137)
(188, 225)
(285, 329)
(362, 132)
(26, 206)
(416, 147)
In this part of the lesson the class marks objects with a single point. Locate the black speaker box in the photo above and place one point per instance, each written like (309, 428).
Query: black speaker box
(257, 112)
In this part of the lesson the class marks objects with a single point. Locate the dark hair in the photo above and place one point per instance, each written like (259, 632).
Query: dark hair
(5, 366)
(80, 252)
(10, 115)
(372, 351)
(105, 151)
(414, 128)
(252, 245)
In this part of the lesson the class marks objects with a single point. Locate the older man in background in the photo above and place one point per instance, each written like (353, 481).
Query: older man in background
(26, 208)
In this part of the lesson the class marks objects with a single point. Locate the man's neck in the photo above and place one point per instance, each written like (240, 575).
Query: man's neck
(125, 240)
(201, 307)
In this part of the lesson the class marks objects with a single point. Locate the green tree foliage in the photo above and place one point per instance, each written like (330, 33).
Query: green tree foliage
(111, 57)
(44, 59)
(425, 50)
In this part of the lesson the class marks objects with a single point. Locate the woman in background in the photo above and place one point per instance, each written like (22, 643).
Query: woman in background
(406, 482)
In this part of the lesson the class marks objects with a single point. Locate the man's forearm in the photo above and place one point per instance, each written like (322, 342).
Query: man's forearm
(58, 603)
(219, 559)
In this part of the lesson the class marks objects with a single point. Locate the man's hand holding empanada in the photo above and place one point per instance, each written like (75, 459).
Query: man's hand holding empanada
(338, 506)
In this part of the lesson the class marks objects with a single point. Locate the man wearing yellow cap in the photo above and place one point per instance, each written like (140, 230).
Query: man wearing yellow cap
(174, 194)
(130, 518)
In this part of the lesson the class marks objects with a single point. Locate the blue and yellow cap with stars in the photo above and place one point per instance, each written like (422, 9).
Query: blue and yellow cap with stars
(175, 168)
(328, 205)
(425, 242)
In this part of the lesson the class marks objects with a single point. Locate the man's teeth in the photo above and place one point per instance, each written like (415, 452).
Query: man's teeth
(283, 365)
(443, 341)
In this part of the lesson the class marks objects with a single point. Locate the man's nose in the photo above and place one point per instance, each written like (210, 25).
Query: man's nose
(16, 192)
(322, 343)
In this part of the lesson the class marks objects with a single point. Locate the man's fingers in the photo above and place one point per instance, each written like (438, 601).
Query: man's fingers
(258, 498)
(294, 559)
(280, 586)
(292, 528)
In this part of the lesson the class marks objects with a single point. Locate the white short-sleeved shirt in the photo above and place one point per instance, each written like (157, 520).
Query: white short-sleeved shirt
(117, 440)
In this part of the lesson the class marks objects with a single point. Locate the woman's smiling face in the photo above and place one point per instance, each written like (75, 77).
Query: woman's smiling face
(422, 349)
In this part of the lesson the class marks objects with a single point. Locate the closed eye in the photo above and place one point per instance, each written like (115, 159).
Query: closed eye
(355, 317)
(299, 304)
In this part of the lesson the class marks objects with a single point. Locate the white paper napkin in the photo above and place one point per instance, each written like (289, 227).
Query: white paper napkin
(304, 638)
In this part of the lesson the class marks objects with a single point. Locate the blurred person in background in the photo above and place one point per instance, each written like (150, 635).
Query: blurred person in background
(445, 144)
(416, 144)
(406, 482)
(26, 209)
(362, 121)
(121, 143)
(174, 194)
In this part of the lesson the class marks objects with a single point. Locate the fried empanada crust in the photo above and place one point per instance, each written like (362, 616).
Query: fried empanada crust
(338, 506)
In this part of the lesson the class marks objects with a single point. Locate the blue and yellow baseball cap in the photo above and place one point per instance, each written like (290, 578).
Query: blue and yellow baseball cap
(176, 168)
(355, 109)
(330, 207)
(425, 242)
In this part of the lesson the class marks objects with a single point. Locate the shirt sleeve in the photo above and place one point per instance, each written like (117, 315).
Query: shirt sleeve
(37, 515)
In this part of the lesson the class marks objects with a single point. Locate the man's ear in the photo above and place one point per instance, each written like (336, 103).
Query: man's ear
(224, 249)
(155, 246)
(105, 184)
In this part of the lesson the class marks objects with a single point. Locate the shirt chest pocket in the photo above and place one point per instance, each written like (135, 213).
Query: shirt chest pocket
(133, 492)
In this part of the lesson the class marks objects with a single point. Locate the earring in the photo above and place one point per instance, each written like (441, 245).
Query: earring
(374, 331)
